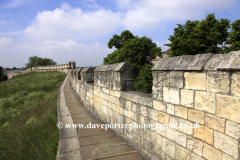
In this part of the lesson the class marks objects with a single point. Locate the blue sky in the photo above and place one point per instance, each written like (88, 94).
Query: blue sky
(79, 30)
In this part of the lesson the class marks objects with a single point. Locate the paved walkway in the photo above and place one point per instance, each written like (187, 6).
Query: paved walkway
(94, 143)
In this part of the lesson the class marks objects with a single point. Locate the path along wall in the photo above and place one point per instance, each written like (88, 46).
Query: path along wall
(202, 89)
(60, 68)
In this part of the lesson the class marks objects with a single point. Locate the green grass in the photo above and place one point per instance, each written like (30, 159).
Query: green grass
(28, 116)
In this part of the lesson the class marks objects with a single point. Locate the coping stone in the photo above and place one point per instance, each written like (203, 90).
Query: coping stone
(231, 61)
(188, 62)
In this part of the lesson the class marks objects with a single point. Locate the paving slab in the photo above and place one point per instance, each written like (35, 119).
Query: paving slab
(105, 150)
(98, 139)
(87, 143)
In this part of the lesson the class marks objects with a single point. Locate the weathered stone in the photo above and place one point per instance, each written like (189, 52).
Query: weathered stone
(228, 107)
(195, 145)
(163, 118)
(218, 82)
(187, 98)
(204, 133)
(230, 62)
(227, 157)
(211, 153)
(196, 116)
(226, 144)
(185, 126)
(173, 122)
(170, 109)
(195, 80)
(181, 112)
(182, 153)
(214, 122)
(205, 101)
(176, 79)
(161, 106)
(171, 95)
(168, 147)
(188, 62)
(163, 79)
(153, 114)
(157, 93)
(119, 109)
(176, 136)
(235, 85)
(195, 157)
(128, 105)
(233, 129)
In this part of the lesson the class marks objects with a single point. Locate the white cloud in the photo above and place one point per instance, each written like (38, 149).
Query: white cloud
(164, 48)
(91, 4)
(64, 51)
(150, 14)
(14, 3)
(5, 42)
(72, 23)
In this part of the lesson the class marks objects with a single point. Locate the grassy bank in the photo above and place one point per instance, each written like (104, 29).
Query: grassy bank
(28, 116)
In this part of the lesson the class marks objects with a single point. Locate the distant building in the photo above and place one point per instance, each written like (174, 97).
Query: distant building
(164, 55)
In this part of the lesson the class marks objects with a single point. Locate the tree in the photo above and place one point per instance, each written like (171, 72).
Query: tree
(143, 83)
(136, 51)
(38, 61)
(117, 41)
(197, 37)
(14, 68)
(234, 37)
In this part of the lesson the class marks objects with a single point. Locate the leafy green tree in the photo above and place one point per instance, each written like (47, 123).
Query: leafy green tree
(197, 37)
(143, 83)
(234, 37)
(14, 68)
(38, 61)
(117, 41)
(136, 51)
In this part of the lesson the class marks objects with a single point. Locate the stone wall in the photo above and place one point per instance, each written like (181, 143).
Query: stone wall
(202, 89)
(59, 67)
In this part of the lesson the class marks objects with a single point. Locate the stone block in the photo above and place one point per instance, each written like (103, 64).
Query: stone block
(195, 145)
(204, 133)
(160, 106)
(226, 144)
(176, 136)
(176, 79)
(205, 101)
(174, 122)
(181, 112)
(182, 153)
(185, 126)
(187, 98)
(210, 152)
(171, 95)
(235, 83)
(163, 118)
(119, 109)
(194, 80)
(157, 93)
(170, 109)
(128, 105)
(228, 107)
(215, 123)
(153, 114)
(163, 79)
(143, 110)
(233, 129)
(227, 157)
(196, 116)
(195, 157)
(218, 82)
(156, 139)
(168, 147)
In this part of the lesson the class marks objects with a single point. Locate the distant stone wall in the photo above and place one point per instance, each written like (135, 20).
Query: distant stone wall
(202, 89)
(59, 67)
